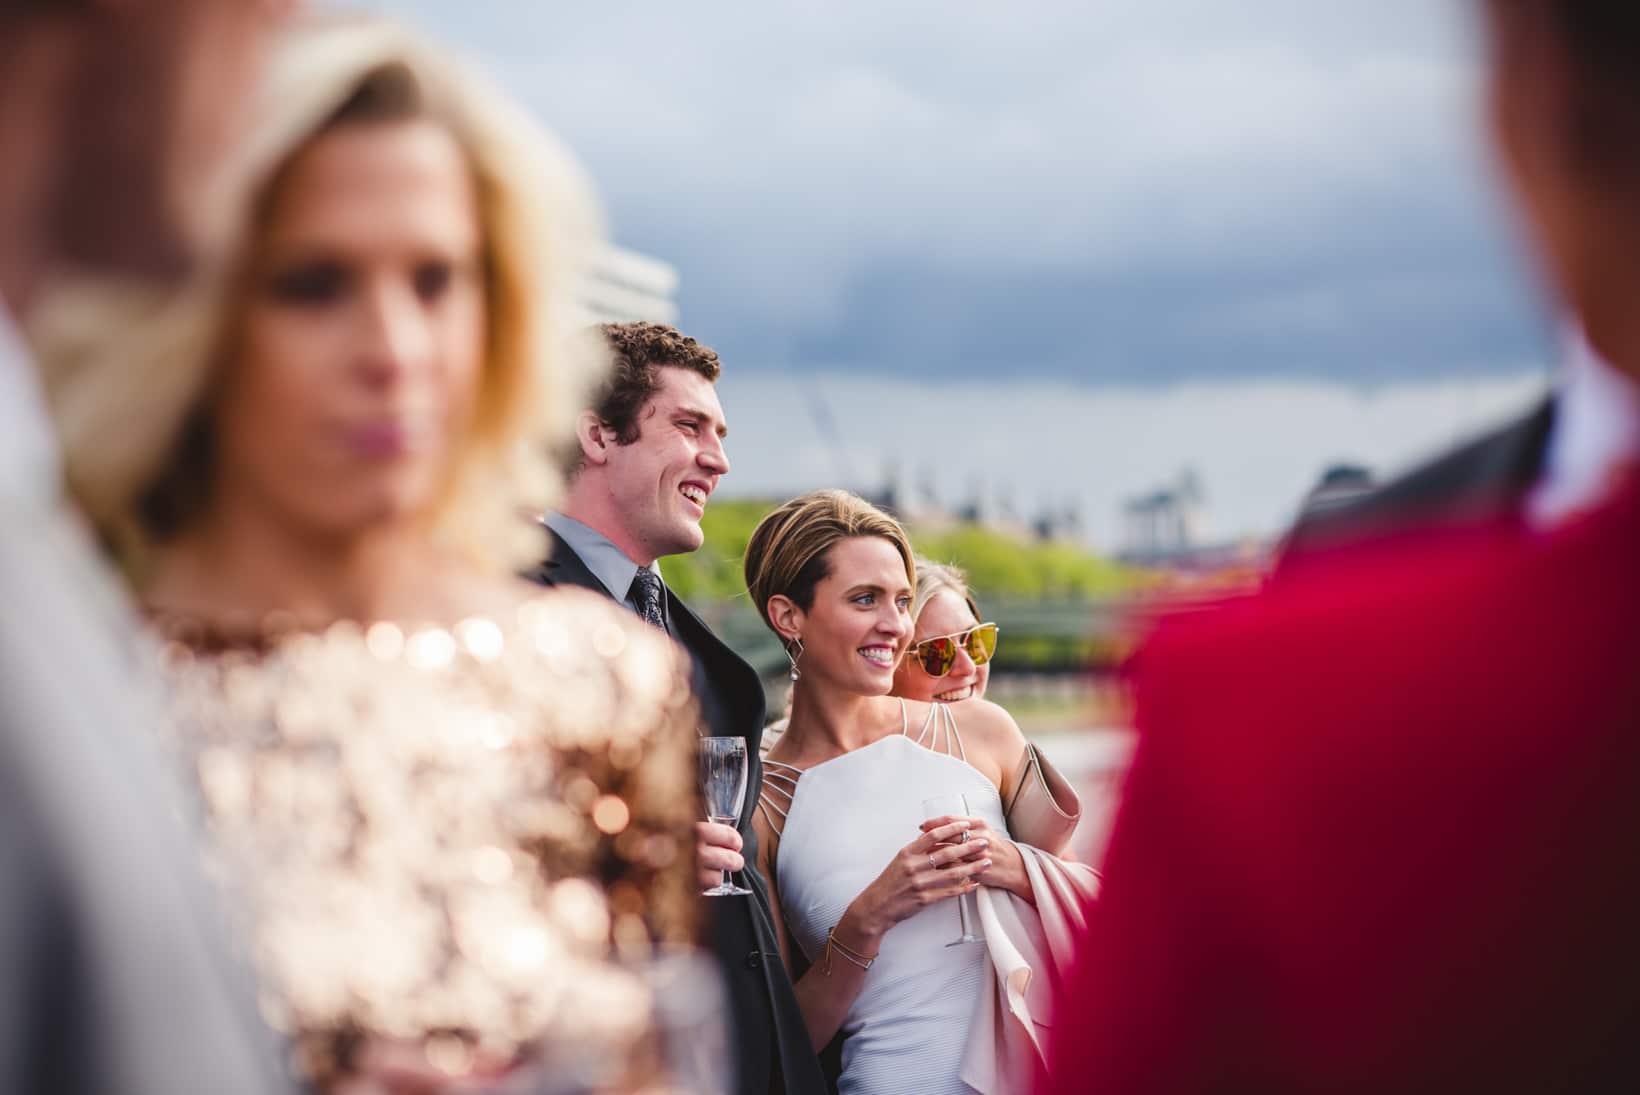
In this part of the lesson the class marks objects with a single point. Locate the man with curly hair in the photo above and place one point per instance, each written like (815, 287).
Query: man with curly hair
(649, 455)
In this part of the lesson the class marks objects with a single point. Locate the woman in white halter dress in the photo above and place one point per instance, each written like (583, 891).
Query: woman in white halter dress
(864, 883)
(842, 819)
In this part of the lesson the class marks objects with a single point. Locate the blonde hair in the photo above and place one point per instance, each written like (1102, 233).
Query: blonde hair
(127, 367)
(936, 578)
(787, 552)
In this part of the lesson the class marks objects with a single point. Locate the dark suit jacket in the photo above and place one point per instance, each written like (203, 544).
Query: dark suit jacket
(1475, 482)
(1381, 832)
(775, 1054)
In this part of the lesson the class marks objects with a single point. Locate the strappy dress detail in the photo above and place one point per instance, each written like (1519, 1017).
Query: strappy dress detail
(852, 816)
(939, 732)
(774, 799)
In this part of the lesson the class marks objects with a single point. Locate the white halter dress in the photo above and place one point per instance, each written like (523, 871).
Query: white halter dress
(843, 820)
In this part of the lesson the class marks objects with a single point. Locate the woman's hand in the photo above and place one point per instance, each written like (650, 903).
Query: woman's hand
(1007, 870)
(929, 869)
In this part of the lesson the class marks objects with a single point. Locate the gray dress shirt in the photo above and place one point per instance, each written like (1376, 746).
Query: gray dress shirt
(615, 571)
(608, 563)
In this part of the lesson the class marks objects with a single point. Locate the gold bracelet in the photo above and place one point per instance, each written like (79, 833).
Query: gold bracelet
(849, 954)
(850, 950)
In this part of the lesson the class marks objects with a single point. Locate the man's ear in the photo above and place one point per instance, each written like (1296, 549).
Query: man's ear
(785, 617)
(594, 437)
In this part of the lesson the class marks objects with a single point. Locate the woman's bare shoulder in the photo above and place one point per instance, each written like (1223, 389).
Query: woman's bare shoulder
(979, 719)
(989, 727)
(503, 597)
(532, 599)
(916, 713)
(585, 667)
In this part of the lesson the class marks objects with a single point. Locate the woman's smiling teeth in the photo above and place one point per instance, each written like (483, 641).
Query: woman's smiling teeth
(955, 694)
(880, 656)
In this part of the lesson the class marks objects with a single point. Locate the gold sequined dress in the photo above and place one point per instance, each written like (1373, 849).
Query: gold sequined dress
(454, 834)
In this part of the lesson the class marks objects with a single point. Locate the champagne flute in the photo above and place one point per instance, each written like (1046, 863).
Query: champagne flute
(723, 781)
(967, 906)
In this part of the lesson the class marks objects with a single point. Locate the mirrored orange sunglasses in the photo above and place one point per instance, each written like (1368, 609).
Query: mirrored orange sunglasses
(939, 654)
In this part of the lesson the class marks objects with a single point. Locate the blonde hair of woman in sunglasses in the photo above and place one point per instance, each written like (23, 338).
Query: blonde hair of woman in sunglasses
(944, 608)
(860, 875)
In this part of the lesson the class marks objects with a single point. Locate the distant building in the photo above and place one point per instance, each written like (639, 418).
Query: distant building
(917, 502)
(1164, 523)
(1063, 524)
(911, 502)
(979, 508)
(993, 509)
(624, 286)
(1165, 530)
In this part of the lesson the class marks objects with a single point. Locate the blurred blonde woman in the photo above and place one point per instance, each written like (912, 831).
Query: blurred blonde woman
(951, 649)
(448, 824)
(859, 842)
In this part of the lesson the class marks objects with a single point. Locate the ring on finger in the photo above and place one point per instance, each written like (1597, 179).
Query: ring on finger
(962, 838)
(931, 862)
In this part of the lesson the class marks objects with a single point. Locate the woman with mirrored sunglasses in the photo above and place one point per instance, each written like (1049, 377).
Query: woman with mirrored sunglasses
(950, 655)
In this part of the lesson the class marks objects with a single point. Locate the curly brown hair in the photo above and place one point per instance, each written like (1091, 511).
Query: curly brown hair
(638, 352)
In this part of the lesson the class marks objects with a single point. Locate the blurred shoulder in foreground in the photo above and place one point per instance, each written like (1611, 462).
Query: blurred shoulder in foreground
(1369, 839)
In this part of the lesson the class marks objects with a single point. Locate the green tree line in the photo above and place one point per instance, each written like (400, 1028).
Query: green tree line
(999, 565)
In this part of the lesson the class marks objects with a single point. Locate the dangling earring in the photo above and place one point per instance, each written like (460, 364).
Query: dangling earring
(793, 657)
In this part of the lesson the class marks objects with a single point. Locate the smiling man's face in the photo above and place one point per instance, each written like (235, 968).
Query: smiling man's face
(661, 482)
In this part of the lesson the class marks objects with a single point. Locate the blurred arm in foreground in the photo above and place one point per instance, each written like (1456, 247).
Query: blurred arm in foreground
(111, 974)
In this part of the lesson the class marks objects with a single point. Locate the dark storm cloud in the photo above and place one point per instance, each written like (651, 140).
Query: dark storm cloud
(1126, 190)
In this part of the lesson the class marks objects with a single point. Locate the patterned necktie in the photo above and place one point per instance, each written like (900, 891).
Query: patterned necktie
(645, 597)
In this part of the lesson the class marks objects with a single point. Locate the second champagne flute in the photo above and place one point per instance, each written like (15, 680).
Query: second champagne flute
(723, 781)
(967, 905)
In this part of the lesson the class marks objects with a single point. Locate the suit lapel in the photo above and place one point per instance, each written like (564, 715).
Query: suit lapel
(735, 684)
(563, 567)
(739, 684)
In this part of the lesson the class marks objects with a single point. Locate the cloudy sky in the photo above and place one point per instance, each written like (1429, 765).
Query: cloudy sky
(1115, 195)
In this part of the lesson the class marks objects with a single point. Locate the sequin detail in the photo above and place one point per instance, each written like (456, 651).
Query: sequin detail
(431, 831)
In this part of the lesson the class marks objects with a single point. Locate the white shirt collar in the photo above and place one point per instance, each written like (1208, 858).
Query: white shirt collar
(29, 468)
(1596, 429)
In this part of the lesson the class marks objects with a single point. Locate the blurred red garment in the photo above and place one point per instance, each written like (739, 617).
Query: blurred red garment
(1381, 833)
